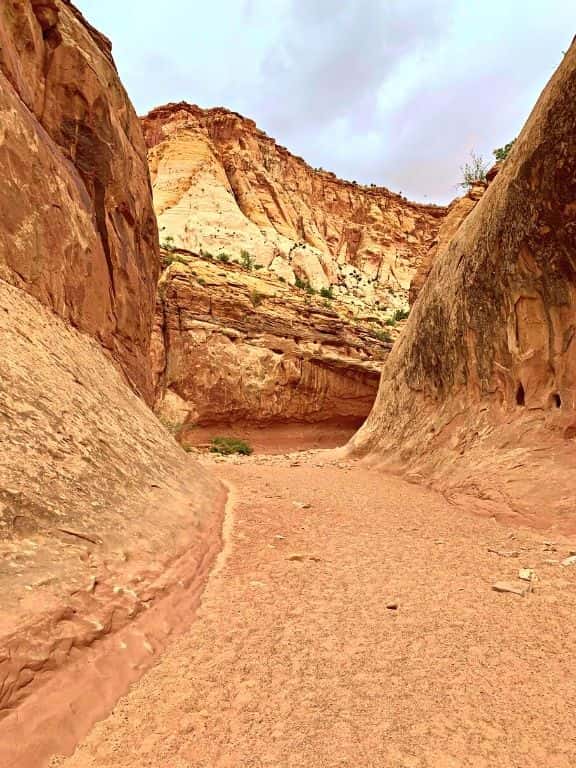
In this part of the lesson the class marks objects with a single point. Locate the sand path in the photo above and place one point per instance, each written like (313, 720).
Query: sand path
(296, 660)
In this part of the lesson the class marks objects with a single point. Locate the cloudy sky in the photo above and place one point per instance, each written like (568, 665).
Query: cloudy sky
(395, 92)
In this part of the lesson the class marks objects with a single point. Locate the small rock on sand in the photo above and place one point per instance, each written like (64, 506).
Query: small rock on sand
(510, 587)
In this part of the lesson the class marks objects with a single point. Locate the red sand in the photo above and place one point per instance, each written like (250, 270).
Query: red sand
(295, 659)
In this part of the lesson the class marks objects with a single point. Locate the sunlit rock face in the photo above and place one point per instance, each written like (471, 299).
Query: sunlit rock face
(222, 185)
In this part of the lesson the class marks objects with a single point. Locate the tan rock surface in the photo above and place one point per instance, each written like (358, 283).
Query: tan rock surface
(77, 225)
(479, 393)
(233, 345)
(98, 505)
(221, 184)
(458, 211)
(107, 528)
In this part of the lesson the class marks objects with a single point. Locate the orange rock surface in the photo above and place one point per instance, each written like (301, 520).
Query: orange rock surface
(479, 393)
(107, 528)
(222, 185)
(77, 226)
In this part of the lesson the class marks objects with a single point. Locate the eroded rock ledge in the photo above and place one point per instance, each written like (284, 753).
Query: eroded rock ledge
(235, 345)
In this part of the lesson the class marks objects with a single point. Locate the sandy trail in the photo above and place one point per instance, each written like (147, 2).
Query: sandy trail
(297, 661)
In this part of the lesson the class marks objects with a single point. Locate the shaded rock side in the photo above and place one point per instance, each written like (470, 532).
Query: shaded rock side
(77, 228)
(221, 184)
(457, 212)
(479, 393)
(235, 345)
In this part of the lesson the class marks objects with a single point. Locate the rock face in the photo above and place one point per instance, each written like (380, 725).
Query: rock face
(458, 210)
(98, 504)
(77, 226)
(222, 185)
(479, 392)
(233, 345)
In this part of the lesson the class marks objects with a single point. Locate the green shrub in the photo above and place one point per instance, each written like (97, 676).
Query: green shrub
(168, 243)
(390, 322)
(226, 446)
(327, 293)
(501, 153)
(247, 260)
(258, 266)
(282, 279)
(201, 281)
(256, 298)
(383, 335)
(223, 257)
(474, 171)
(401, 314)
(304, 285)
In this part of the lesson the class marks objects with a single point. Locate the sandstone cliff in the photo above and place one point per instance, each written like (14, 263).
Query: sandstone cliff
(222, 185)
(101, 513)
(479, 392)
(456, 214)
(77, 226)
(233, 345)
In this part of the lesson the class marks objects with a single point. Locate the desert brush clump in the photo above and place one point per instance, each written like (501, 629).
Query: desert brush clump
(383, 335)
(247, 260)
(473, 171)
(227, 446)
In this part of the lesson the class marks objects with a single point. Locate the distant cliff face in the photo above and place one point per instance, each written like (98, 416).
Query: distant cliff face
(77, 227)
(233, 345)
(222, 185)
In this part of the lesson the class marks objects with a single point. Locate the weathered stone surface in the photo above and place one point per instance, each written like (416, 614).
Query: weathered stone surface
(98, 504)
(458, 210)
(479, 392)
(222, 184)
(236, 345)
(77, 226)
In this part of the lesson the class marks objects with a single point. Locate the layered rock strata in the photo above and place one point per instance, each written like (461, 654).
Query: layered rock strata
(232, 344)
(222, 185)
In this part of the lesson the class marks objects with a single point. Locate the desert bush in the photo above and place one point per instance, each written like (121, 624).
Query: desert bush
(223, 257)
(474, 171)
(247, 260)
(256, 298)
(401, 314)
(501, 153)
(327, 293)
(168, 243)
(226, 446)
(383, 335)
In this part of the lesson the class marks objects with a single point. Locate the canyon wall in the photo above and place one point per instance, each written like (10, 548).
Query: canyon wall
(222, 185)
(102, 515)
(236, 345)
(479, 393)
(77, 229)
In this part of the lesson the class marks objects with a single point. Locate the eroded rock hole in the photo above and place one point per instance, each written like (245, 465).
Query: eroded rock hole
(556, 400)
(520, 397)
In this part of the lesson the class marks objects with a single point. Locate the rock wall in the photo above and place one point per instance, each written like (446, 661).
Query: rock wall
(479, 394)
(222, 185)
(457, 212)
(233, 345)
(77, 225)
(104, 520)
